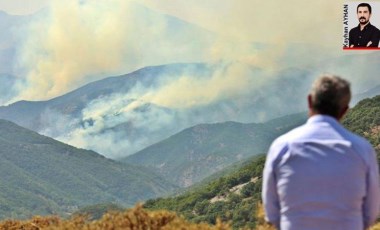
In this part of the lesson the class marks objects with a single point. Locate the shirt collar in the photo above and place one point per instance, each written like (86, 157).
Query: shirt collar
(323, 118)
(366, 26)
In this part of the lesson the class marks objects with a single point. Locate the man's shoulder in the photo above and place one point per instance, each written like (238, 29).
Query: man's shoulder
(374, 28)
(357, 140)
(354, 29)
(281, 143)
(361, 146)
(304, 131)
(291, 135)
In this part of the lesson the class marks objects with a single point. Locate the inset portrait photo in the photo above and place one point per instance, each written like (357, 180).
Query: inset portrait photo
(361, 23)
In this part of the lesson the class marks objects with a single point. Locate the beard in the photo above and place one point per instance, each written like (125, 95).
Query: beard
(363, 21)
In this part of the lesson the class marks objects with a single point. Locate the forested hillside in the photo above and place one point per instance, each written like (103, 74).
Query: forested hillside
(364, 119)
(197, 152)
(41, 176)
(234, 197)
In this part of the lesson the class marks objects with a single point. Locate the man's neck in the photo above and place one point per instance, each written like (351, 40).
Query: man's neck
(312, 113)
(363, 26)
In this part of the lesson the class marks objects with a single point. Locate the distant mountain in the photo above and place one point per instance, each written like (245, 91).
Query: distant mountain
(42, 176)
(197, 152)
(64, 117)
(73, 103)
(366, 94)
(111, 117)
(150, 28)
(70, 116)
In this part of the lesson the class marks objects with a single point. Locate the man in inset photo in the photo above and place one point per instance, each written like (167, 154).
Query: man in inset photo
(365, 34)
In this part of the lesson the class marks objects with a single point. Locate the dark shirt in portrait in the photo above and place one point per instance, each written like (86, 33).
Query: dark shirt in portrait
(361, 38)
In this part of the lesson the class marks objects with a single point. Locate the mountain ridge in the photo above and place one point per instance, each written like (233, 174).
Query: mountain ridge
(69, 115)
(196, 152)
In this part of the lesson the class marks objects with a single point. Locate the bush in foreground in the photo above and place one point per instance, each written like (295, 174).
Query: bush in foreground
(136, 218)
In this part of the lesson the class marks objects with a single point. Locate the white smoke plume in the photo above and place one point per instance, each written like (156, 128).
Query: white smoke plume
(117, 125)
(74, 42)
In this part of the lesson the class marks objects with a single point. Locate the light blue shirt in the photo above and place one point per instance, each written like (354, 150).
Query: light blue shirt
(321, 176)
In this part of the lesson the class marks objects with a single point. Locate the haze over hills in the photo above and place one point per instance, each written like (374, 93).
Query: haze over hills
(31, 51)
(121, 115)
(10, 41)
(233, 80)
(73, 103)
(366, 94)
(8, 25)
(197, 152)
(41, 176)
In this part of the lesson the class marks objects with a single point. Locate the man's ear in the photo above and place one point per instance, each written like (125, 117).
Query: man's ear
(309, 101)
(309, 105)
(343, 112)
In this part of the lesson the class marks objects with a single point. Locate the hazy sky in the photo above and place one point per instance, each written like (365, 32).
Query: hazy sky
(265, 21)
(255, 20)
(19, 7)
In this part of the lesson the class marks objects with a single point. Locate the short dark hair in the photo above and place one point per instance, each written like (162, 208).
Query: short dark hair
(364, 5)
(329, 95)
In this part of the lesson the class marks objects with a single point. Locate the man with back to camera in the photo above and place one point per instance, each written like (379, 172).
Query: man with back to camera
(365, 34)
(321, 176)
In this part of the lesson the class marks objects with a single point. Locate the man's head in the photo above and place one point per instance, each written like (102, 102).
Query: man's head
(364, 11)
(329, 95)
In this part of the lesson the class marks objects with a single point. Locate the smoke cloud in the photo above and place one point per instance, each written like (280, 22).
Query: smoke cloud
(75, 42)
(260, 67)
(69, 46)
(228, 82)
(119, 124)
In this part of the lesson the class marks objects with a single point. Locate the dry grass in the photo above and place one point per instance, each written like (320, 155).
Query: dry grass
(376, 227)
(133, 219)
(261, 223)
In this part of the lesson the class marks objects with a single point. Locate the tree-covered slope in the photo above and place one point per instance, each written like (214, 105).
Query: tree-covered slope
(364, 119)
(42, 176)
(233, 197)
(197, 152)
